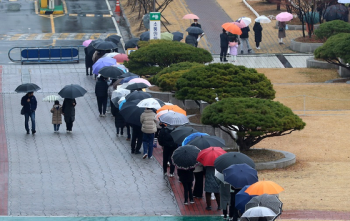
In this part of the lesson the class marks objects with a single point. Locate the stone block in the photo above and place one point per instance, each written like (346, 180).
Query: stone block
(312, 63)
(304, 47)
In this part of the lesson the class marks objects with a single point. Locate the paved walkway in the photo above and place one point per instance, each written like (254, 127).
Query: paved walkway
(89, 172)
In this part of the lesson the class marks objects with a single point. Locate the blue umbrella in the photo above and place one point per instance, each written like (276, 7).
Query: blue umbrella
(103, 62)
(239, 175)
(127, 79)
(242, 198)
(121, 104)
(192, 136)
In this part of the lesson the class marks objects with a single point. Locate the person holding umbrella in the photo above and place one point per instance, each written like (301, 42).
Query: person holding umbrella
(281, 31)
(257, 34)
(149, 127)
(169, 146)
(101, 92)
(245, 39)
(29, 104)
(196, 24)
(119, 121)
(68, 110)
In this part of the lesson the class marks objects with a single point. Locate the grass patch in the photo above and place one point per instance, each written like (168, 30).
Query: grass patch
(261, 155)
(299, 75)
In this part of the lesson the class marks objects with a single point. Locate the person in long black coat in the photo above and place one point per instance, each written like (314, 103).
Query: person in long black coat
(68, 110)
(119, 121)
(186, 177)
(223, 45)
(258, 34)
(169, 146)
(101, 92)
(88, 61)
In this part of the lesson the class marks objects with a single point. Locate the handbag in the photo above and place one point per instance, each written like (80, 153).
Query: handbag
(281, 29)
(22, 111)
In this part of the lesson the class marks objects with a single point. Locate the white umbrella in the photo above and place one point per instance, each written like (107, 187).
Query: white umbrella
(246, 20)
(124, 85)
(259, 211)
(263, 19)
(52, 98)
(151, 103)
(344, 1)
(120, 92)
(110, 55)
(121, 99)
(220, 176)
(162, 112)
(174, 118)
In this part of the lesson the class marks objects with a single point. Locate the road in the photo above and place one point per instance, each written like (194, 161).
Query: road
(82, 20)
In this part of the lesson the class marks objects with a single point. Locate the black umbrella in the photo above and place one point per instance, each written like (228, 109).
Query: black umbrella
(180, 133)
(72, 91)
(28, 87)
(104, 45)
(128, 74)
(140, 95)
(136, 86)
(132, 43)
(113, 38)
(335, 12)
(194, 30)
(203, 142)
(131, 113)
(228, 159)
(111, 72)
(185, 157)
(177, 36)
(145, 36)
(115, 101)
(266, 200)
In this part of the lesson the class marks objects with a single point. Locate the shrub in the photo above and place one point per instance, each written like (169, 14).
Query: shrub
(166, 78)
(337, 46)
(158, 54)
(252, 119)
(223, 80)
(328, 29)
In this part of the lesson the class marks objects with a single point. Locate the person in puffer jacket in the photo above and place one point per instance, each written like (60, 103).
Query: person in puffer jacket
(148, 128)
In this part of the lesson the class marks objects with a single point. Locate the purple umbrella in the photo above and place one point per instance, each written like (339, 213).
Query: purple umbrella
(102, 62)
(127, 79)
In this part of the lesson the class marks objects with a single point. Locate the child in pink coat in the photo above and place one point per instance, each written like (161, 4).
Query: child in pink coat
(233, 44)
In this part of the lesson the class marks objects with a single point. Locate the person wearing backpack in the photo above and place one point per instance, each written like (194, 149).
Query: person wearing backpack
(169, 146)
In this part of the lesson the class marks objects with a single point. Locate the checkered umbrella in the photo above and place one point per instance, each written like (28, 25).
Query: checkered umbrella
(266, 200)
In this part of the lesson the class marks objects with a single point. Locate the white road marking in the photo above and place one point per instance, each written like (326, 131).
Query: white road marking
(115, 24)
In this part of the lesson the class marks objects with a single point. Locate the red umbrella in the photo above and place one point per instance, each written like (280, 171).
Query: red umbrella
(121, 58)
(208, 155)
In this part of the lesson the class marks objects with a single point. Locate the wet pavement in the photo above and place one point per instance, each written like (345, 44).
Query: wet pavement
(89, 172)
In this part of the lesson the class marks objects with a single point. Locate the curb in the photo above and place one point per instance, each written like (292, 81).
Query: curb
(289, 159)
(251, 8)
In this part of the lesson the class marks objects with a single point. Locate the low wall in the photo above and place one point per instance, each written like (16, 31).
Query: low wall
(312, 63)
(288, 160)
(304, 47)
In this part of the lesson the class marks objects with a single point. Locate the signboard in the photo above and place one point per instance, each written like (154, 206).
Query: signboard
(154, 24)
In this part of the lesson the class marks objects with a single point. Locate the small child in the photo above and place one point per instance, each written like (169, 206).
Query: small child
(56, 111)
(233, 44)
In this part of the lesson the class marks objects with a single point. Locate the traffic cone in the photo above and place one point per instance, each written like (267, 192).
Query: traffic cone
(117, 8)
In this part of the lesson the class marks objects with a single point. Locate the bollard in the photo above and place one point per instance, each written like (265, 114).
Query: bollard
(117, 8)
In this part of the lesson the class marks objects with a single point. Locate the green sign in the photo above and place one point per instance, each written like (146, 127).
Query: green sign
(154, 16)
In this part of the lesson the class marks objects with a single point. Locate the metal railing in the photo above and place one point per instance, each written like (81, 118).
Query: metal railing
(59, 54)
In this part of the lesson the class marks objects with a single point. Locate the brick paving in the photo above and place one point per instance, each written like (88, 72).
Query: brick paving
(87, 173)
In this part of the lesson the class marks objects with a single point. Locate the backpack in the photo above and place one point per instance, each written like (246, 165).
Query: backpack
(165, 139)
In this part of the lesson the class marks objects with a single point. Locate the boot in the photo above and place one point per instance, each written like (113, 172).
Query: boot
(225, 59)
(220, 58)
